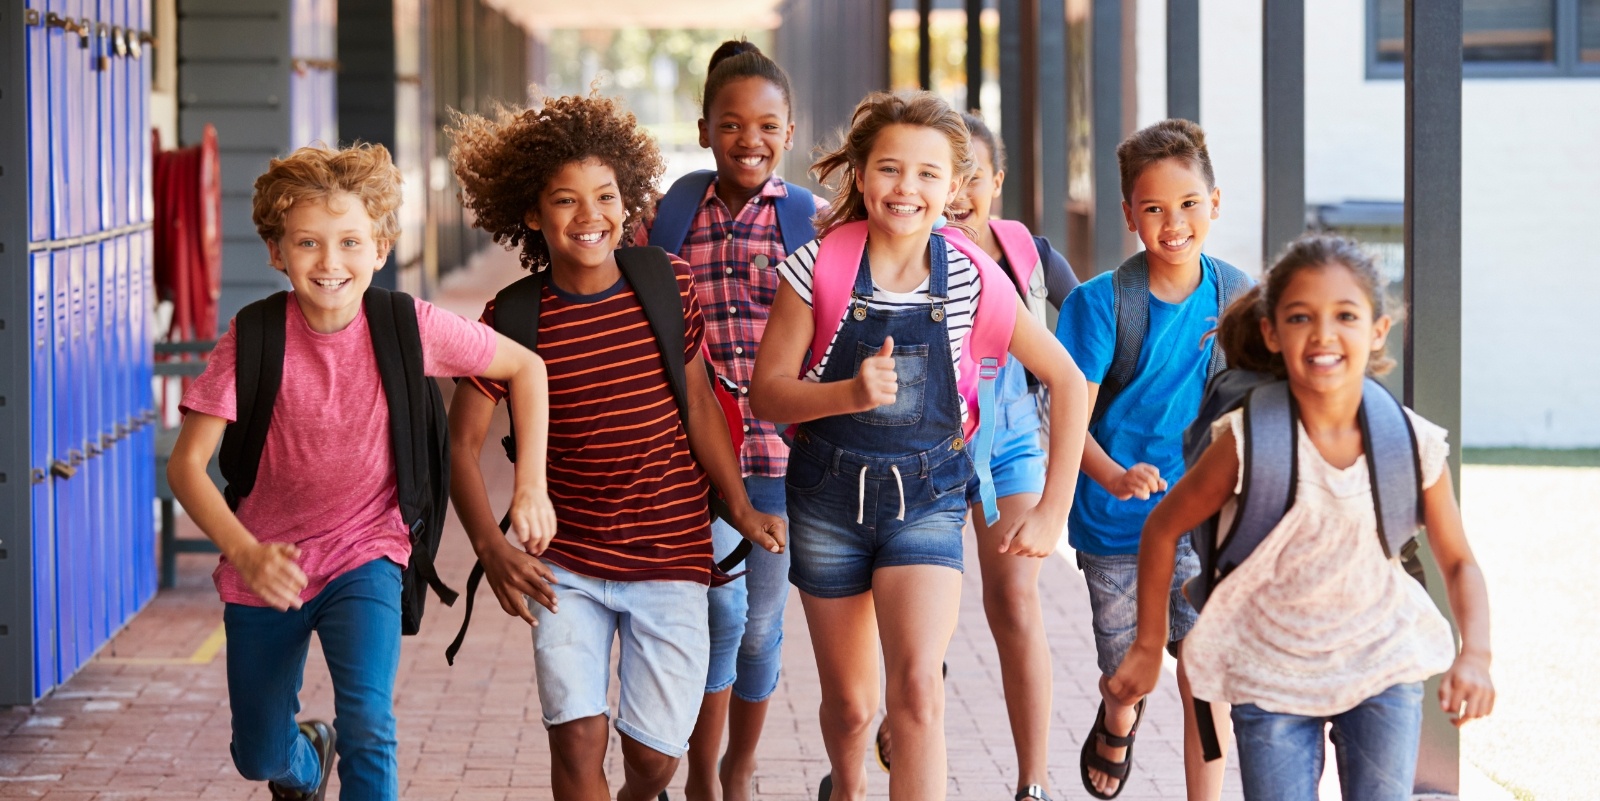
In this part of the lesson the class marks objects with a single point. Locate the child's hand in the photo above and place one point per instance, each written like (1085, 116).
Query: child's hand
(766, 531)
(533, 520)
(1466, 692)
(1032, 533)
(876, 384)
(1140, 481)
(1137, 676)
(270, 572)
(515, 575)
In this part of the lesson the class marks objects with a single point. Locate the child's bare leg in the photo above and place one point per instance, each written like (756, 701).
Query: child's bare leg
(704, 745)
(577, 760)
(1011, 603)
(1119, 721)
(1203, 779)
(745, 721)
(645, 771)
(844, 636)
(917, 606)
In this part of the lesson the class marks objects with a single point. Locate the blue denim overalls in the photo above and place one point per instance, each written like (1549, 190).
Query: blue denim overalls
(884, 487)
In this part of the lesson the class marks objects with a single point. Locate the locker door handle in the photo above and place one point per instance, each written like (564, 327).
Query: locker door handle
(62, 470)
(30, 17)
(119, 41)
(74, 458)
(38, 475)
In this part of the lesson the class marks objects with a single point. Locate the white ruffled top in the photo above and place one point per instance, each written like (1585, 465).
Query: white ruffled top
(1317, 620)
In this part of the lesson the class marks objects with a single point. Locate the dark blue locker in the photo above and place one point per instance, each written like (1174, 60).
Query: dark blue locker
(101, 70)
(77, 555)
(94, 474)
(64, 454)
(141, 290)
(43, 522)
(60, 44)
(120, 127)
(140, 18)
(116, 499)
(125, 411)
(74, 69)
(38, 133)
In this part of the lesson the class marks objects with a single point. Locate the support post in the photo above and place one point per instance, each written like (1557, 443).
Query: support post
(1105, 57)
(1051, 132)
(1183, 59)
(1433, 294)
(924, 45)
(974, 55)
(1283, 124)
(1019, 118)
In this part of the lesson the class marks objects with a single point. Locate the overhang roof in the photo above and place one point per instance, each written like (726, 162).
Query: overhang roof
(723, 14)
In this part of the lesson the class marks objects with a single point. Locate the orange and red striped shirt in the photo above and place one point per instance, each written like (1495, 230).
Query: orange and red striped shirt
(630, 501)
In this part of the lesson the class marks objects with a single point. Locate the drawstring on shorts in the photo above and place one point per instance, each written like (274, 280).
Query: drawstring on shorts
(861, 494)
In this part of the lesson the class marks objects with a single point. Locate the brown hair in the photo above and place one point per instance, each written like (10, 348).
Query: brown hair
(1167, 139)
(982, 133)
(1239, 332)
(740, 58)
(316, 174)
(504, 163)
(875, 112)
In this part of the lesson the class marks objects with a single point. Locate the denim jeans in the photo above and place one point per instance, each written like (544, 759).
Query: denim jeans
(747, 614)
(1375, 746)
(357, 620)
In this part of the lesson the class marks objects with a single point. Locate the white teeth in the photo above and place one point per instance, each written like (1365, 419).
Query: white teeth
(750, 161)
(1176, 243)
(594, 237)
(330, 282)
(900, 209)
(1326, 359)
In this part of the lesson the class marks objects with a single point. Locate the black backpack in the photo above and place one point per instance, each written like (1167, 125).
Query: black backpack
(1131, 309)
(1269, 466)
(648, 270)
(419, 430)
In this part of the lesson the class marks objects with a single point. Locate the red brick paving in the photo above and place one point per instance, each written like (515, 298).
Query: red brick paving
(141, 721)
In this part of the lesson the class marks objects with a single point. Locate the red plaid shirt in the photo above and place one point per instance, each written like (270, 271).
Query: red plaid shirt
(735, 265)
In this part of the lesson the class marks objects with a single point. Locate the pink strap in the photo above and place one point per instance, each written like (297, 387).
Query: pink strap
(1017, 243)
(832, 278)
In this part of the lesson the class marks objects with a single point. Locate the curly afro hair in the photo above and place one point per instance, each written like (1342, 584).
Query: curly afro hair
(504, 163)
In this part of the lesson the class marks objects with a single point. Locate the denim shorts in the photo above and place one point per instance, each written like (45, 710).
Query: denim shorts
(1281, 755)
(1113, 581)
(1017, 460)
(662, 668)
(845, 524)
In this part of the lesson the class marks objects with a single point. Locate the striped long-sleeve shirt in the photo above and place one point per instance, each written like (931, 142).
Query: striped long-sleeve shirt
(630, 501)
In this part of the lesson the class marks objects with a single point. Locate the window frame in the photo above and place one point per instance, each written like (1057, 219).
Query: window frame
(1566, 64)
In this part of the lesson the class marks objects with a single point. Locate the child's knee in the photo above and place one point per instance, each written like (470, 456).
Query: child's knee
(918, 695)
(650, 765)
(852, 713)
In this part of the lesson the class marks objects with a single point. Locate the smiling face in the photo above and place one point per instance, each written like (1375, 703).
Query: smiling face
(1323, 327)
(908, 180)
(580, 213)
(747, 131)
(329, 253)
(1171, 210)
(971, 205)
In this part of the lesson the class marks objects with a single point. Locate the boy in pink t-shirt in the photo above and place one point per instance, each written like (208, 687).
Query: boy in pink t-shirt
(319, 544)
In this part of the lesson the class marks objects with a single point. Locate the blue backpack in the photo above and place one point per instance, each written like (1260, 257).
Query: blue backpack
(676, 213)
(1269, 466)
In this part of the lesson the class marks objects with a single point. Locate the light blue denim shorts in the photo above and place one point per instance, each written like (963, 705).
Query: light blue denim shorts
(666, 650)
(1113, 581)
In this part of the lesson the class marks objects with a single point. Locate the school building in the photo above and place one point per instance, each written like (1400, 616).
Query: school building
(1467, 171)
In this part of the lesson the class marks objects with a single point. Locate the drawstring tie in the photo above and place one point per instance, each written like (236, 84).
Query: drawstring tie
(861, 494)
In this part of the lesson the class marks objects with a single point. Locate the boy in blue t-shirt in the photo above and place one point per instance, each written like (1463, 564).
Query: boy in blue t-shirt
(1135, 448)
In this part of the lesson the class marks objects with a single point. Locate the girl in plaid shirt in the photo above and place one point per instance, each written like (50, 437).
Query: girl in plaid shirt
(734, 245)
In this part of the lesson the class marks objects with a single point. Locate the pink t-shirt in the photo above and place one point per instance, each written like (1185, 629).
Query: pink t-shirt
(326, 481)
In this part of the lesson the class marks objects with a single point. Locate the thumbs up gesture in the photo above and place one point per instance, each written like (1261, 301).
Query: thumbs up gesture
(876, 383)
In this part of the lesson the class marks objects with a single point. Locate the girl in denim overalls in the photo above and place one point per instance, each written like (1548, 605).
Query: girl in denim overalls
(878, 473)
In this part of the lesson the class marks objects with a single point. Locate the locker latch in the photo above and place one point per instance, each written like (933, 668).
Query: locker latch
(38, 475)
(102, 49)
(119, 41)
(75, 457)
(30, 17)
(69, 25)
(62, 470)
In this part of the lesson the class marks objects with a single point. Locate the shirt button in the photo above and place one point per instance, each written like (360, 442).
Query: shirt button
(729, 237)
(727, 271)
(744, 390)
(733, 310)
(760, 262)
(738, 350)
(747, 429)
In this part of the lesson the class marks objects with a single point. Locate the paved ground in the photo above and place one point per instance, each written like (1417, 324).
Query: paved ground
(148, 717)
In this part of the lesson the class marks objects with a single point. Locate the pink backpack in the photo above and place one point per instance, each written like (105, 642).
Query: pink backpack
(985, 351)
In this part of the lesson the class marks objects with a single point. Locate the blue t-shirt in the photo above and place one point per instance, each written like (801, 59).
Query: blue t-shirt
(1145, 422)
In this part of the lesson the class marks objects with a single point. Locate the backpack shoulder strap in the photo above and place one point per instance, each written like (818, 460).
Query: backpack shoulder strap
(1393, 466)
(985, 351)
(1270, 471)
(648, 270)
(1131, 309)
(397, 346)
(1022, 253)
(258, 374)
(1232, 283)
(796, 212)
(675, 213)
(516, 310)
(832, 277)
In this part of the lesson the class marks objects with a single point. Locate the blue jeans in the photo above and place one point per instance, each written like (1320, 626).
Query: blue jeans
(357, 620)
(1114, 603)
(1375, 745)
(747, 614)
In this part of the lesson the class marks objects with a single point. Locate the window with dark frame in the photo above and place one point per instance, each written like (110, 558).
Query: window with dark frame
(1500, 38)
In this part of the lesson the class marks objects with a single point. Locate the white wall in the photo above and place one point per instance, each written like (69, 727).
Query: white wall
(1531, 166)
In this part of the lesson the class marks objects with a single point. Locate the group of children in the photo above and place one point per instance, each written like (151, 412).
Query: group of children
(868, 342)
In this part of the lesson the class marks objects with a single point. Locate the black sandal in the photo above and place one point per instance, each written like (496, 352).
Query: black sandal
(825, 788)
(1090, 756)
(1032, 791)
